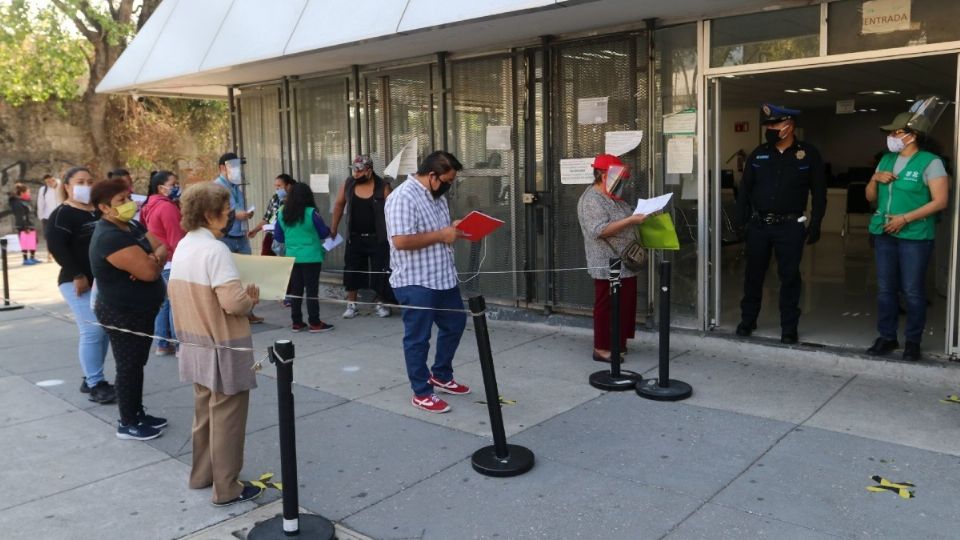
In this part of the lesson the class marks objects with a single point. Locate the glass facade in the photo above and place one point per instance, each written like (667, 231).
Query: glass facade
(923, 22)
(765, 37)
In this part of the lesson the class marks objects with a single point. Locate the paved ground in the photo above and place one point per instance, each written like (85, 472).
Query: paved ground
(775, 443)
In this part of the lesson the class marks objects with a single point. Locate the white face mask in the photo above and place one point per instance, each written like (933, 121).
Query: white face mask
(81, 193)
(895, 144)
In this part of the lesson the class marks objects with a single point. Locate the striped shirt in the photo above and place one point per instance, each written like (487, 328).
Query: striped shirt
(411, 209)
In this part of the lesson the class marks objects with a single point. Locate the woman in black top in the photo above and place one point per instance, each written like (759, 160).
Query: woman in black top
(68, 231)
(126, 261)
(20, 206)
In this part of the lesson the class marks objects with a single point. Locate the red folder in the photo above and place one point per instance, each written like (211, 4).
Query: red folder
(477, 225)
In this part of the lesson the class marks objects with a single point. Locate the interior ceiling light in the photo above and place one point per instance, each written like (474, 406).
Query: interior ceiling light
(790, 91)
(818, 89)
(805, 90)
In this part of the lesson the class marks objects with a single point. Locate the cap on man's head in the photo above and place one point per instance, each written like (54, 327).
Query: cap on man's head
(603, 162)
(227, 157)
(361, 162)
(771, 114)
(909, 120)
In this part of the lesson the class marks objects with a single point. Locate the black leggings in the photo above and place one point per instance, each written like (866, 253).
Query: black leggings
(131, 353)
(305, 278)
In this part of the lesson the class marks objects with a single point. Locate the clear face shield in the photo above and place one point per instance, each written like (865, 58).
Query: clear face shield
(234, 171)
(617, 176)
(926, 112)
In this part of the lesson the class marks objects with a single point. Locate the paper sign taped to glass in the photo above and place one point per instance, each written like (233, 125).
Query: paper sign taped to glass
(271, 274)
(404, 163)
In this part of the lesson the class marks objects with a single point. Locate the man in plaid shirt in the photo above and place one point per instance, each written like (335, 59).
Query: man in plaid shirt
(424, 275)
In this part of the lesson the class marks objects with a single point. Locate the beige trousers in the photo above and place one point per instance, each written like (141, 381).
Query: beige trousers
(219, 428)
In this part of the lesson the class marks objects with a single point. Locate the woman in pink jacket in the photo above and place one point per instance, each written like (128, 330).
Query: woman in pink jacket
(161, 215)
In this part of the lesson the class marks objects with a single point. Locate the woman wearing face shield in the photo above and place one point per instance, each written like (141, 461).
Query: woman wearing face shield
(910, 187)
(607, 223)
(126, 261)
(161, 215)
(68, 231)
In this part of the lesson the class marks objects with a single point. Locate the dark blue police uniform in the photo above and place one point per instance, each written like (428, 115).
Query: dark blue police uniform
(772, 198)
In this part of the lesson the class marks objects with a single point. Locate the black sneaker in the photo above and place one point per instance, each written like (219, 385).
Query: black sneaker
(102, 393)
(883, 346)
(137, 432)
(911, 351)
(84, 389)
(249, 493)
(789, 337)
(745, 329)
(153, 421)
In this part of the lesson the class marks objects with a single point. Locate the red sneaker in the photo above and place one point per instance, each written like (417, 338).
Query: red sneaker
(430, 403)
(320, 328)
(450, 387)
(298, 327)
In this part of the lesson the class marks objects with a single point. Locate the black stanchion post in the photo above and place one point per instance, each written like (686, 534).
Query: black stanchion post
(664, 388)
(6, 278)
(291, 523)
(501, 459)
(616, 378)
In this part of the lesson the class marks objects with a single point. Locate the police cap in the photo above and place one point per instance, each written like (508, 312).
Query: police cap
(771, 114)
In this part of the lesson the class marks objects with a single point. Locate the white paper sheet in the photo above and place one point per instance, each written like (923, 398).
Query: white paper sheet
(680, 155)
(688, 191)
(619, 143)
(271, 274)
(268, 227)
(137, 198)
(498, 137)
(649, 206)
(682, 122)
(404, 163)
(576, 171)
(592, 110)
(320, 183)
(330, 243)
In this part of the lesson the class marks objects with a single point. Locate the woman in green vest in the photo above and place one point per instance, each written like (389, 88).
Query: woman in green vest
(302, 230)
(910, 188)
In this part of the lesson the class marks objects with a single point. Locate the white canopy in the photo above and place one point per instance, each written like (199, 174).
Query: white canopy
(199, 47)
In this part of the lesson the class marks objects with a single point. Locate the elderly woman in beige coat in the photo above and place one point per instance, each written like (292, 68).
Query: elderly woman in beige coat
(210, 308)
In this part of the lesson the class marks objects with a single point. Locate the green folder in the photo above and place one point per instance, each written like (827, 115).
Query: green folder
(657, 232)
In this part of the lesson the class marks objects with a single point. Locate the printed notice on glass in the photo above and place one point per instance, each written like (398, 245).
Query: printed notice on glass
(883, 16)
(592, 110)
(320, 183)
(576, 171)
(404, 163)
(498, 137)
(619, 143)
(683, 122)
(680, 155)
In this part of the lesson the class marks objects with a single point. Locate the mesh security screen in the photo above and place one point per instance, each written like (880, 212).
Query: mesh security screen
(591, 70)
(261, 144)
(324, 144)
(409, 110)
(482, 97)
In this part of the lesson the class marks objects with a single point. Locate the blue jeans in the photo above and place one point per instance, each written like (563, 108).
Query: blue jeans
(163, 326)
(901, 267)
(417, 326)
(93, 339)
(237, 244)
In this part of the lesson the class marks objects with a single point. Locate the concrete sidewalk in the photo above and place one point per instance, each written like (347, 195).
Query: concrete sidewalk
(776, 442)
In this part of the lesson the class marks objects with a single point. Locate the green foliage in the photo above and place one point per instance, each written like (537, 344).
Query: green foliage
(40, 59)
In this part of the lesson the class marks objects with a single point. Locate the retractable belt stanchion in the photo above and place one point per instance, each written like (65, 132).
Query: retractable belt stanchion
(6, 279)
(291, 523)
(501, 459)
(616, 378)
(664, 388)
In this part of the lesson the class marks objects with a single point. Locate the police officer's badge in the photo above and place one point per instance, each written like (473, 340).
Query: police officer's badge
(766, 111)
(801, 154)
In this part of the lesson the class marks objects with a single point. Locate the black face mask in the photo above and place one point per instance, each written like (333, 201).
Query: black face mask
(231, 219)
(362, 180)
(773, 135)
(444, 187)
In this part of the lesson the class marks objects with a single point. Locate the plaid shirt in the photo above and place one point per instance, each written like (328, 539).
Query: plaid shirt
(272, 208)
(411, 209)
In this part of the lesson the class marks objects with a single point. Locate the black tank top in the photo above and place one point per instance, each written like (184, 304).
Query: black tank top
(362, 216)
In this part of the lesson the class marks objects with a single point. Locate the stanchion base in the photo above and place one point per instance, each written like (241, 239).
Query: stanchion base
(651, 389)
(519, 460)
(604, 380)
(10, 307)
(311, 526)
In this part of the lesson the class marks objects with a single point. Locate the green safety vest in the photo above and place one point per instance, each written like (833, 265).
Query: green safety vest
(905, 194)
(301, 239)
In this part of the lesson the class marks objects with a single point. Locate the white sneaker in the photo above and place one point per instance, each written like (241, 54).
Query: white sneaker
(351, 311)
(383, 311)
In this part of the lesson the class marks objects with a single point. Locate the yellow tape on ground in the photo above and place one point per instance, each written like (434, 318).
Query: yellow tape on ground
(900, 488)
(263, 482)
(951, 399)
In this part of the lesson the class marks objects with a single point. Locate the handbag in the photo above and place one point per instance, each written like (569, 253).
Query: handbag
(633, 255)
(658, 232)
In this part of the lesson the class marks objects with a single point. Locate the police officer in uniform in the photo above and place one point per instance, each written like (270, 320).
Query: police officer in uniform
(777, 180)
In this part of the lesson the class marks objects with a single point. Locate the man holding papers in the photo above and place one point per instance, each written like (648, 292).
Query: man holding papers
(424, 276)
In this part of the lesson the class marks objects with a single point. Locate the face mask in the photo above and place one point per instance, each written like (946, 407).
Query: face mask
(281, 194)
(81, 194)
(773, 136)
(174, 193)
(231, 218)
(126, 211)
(444, 187)
(895, 144)
(363, 179)
(25, 196)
